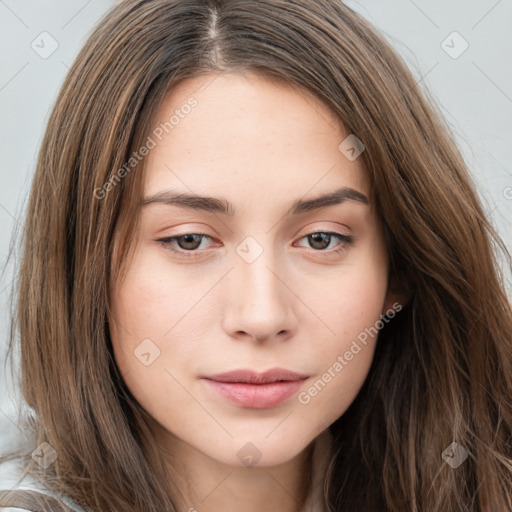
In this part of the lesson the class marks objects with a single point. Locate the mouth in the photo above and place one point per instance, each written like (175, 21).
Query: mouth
(253, 390)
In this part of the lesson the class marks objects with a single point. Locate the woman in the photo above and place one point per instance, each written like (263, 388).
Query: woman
(256, 274)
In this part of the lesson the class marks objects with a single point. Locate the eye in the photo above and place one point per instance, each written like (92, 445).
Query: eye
(322, 240)
(186, 245)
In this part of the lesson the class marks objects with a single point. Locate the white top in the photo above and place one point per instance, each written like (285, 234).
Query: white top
(11, 471)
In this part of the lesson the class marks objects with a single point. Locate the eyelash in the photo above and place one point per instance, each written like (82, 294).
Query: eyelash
(345, 242)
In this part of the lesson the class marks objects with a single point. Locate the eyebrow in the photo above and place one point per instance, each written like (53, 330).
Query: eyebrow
(215, 205)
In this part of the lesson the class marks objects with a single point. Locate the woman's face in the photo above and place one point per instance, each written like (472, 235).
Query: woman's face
(241, 265)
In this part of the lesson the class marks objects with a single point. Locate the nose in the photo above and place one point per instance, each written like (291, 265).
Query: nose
(259, 301)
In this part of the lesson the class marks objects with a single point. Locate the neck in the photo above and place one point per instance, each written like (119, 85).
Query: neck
(207, 485)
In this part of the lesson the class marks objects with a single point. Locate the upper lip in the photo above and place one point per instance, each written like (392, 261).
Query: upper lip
(253, 377)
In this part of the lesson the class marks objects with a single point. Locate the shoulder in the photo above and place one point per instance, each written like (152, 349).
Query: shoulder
(27, 494)
(30, 500)
(20, 492)
(33, 501)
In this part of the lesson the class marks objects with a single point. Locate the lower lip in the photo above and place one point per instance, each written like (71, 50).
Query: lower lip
(256, 396)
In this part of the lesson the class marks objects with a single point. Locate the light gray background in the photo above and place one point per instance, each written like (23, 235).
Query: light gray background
(473, 90)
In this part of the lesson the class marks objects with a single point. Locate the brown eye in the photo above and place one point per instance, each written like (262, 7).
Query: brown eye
(188, 245)
(319, 241)
(189, 242)
(322, 240)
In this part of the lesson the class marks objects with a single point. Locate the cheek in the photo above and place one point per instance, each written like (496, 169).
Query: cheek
(350, 306)
(161, 315)
(333, 390)
(148, 308)
(351, 298)
(154, 297)
(147, 314)
(342, 362)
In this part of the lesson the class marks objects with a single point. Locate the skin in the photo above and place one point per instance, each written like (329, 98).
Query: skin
(260, 145)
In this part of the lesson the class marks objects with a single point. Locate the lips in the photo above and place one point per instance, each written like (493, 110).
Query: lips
(253, 377)
(250, 389)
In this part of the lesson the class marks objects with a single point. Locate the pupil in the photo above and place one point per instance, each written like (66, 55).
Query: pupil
(192, 239)
(319, 237)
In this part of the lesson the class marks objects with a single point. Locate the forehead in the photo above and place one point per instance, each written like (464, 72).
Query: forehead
(245, 135)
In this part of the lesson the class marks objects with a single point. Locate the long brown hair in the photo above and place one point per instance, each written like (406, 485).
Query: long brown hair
(442, 370)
